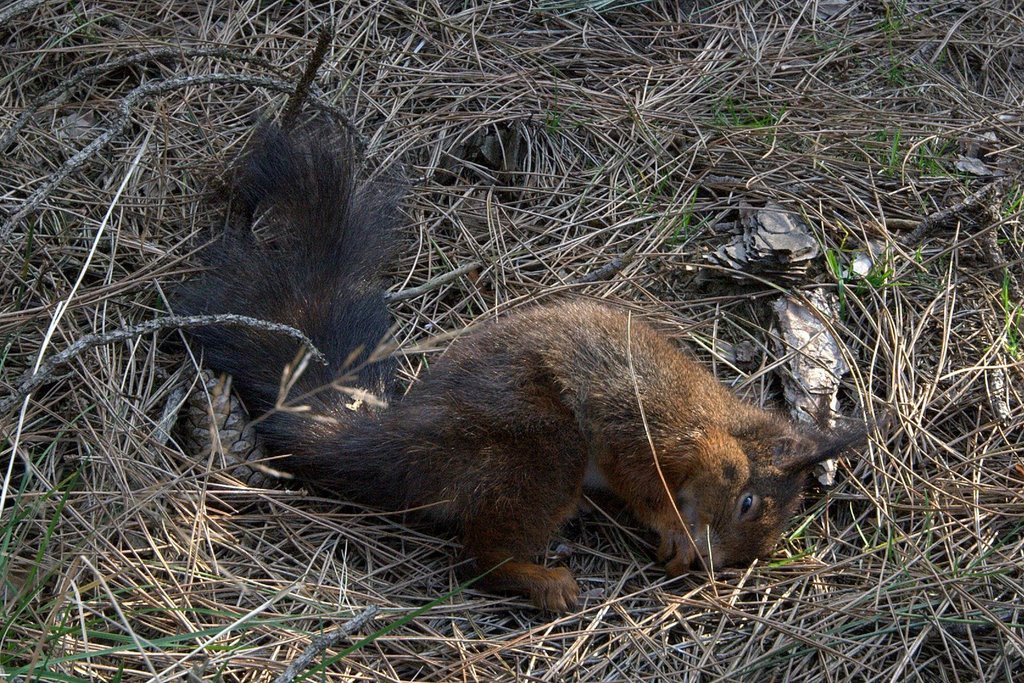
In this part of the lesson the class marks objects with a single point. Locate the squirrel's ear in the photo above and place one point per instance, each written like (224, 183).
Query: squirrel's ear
(798, 452)
(794, 452)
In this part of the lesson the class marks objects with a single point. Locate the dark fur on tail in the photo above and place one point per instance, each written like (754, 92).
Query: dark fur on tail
(306, 245)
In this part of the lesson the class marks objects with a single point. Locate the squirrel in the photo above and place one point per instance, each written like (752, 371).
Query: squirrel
(519, 415)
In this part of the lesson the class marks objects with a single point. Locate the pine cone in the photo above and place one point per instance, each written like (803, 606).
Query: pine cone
(216, 421)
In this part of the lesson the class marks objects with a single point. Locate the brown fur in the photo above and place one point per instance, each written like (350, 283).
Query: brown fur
(515, 419)
(500, 437)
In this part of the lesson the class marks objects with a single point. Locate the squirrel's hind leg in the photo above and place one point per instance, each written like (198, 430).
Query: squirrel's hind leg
(553, 589)
(513, 519)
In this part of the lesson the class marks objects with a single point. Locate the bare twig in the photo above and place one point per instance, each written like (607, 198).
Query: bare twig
(33, 380)
(940, 218)
(16, 8)
(607, 270)
(321, 643)
(434, 283)
(316, 60)
(993, 253)
(997, 380)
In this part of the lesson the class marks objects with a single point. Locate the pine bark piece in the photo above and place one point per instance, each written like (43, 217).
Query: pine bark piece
(771, 241)
(815, 364)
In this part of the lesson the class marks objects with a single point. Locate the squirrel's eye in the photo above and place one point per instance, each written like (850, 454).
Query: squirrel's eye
(748, 502)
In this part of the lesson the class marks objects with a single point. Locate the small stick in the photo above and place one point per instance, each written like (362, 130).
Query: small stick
(30, 381)
(998, 394)
(607, 270)
(316, 60)
(434, 283)
(16, 8)
(321, 643)
(993, 253)
(940, 217)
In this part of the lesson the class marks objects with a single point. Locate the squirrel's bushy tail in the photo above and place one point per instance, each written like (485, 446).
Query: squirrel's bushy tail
(305, 246)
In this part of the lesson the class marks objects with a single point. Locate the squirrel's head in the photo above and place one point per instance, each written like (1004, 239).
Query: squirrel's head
(748, 483)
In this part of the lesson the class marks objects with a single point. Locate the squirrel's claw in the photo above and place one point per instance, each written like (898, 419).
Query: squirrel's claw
(676, 551)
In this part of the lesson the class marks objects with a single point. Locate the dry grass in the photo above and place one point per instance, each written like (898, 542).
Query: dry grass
(125, 559)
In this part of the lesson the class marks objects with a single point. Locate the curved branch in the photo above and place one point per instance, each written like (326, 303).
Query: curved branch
(32, 380)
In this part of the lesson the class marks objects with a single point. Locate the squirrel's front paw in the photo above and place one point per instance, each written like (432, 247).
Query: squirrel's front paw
(677, 551)
(554, 589)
